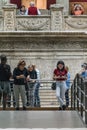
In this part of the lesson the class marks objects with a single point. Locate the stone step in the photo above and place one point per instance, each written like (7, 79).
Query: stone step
(46, 129)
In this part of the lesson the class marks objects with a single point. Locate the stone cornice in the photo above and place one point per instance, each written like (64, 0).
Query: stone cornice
(65, 34)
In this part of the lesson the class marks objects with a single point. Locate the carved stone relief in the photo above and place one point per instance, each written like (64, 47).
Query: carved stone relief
(33, 23)
(9, 21)
(76, 23)
(57, 20)
(36, 43)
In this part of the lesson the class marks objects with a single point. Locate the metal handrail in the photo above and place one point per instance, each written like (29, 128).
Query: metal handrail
(79, 96)
(47, 95)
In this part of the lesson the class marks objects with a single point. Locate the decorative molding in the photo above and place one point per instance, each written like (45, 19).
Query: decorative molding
(76, 23)
(33, 24)
(9, 21)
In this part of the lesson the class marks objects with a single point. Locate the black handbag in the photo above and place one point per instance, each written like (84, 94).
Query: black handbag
(53, 87)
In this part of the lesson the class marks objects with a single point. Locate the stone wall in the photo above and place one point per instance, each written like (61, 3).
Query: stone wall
(44, 49)
(43, 40)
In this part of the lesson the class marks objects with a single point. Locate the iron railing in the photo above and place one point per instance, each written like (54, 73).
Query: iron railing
(47, 97)
(79, 97)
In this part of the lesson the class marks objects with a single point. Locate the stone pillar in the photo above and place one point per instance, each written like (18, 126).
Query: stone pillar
(4, 2)
(56, 17)
(9, 14)
(64, 3)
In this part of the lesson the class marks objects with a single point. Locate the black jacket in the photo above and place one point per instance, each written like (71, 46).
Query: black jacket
(5, 72)
(18, 72)
(33, 74)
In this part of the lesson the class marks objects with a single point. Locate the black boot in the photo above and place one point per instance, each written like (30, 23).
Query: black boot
(17, 108)
(64, 107)
(60, 108)
(24, 108)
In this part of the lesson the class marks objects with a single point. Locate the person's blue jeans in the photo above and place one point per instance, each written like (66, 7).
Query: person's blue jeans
(60, 91)
(36, 94)
(67, 97)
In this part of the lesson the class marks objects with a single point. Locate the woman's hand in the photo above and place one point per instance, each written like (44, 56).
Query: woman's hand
(20, 77)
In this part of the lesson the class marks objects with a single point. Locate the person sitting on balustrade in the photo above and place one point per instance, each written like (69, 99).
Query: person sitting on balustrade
(32, 10)
(77, 10)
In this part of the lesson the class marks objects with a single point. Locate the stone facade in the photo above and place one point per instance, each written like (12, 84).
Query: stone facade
(43, 40)
(33, 23)
(44, 49)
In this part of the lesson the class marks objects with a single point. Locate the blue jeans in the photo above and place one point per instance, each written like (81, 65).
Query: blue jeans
(60, 91)
(36, 94)
(67, 97)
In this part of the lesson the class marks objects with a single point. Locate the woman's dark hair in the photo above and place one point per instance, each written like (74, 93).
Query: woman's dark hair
(22, 7)
(3, 58)
(61, 62)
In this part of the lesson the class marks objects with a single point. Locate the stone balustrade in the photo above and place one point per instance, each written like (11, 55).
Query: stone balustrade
(53, 21)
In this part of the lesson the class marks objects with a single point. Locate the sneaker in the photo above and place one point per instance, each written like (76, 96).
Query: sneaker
(64, 107)
(27, 104)
(17, 108)
(24, 108)
(60, 108)
(9, 105)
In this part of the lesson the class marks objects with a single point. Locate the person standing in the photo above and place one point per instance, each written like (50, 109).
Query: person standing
(83, 71)
(60, 75)
(68, 87)
(36, 88)
(20, 75)
(32, 10)
(5, 74)
(31, 84)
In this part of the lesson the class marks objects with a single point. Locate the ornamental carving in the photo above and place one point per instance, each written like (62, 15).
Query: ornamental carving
(9, 21)
(33, 24)
(57, 20)
(44, 44)
(76, 23)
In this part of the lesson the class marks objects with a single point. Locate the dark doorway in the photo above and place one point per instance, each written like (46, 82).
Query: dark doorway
(49, 2)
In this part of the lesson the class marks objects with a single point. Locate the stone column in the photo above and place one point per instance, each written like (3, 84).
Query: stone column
(56, 17)
(65, 3)
(4, 2)
(9, 14)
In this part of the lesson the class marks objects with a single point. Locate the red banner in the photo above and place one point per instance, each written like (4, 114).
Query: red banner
(78, 0)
